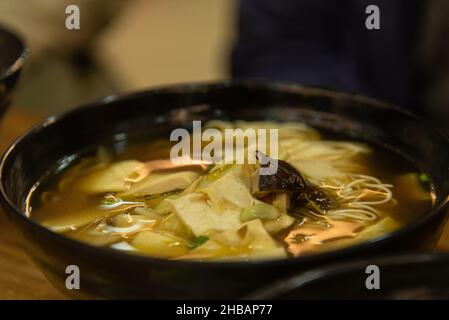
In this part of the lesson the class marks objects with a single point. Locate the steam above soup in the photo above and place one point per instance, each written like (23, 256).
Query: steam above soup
(325, 194)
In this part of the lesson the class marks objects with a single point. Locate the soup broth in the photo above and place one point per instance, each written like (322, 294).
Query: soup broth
(327, 193)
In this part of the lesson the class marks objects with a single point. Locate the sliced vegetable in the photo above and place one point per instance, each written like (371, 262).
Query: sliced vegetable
(228, 192)
(282, 201)
(282, 222)
(424, 178)
(250, 241)
(76, 219)
(160, 244)
(148, 213)
(164, 207)
(173, 224)
(147, 168)
(109, 179)
(160, 183)
(196, 212)
(262, 246)
(259, 211)
(196, 242)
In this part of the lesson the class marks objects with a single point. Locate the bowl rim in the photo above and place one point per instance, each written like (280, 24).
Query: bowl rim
(9, 206)
(21, 58)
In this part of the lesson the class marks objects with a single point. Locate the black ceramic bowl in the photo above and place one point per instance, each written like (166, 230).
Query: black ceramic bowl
(111, 274)
(418, 276)
(12, 57)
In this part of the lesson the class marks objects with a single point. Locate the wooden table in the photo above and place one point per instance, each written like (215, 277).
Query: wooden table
(19, 277)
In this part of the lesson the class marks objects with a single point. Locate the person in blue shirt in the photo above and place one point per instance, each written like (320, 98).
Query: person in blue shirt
(326, 43)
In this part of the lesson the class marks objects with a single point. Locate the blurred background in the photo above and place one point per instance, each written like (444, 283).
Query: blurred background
(120, 46)
(130, 45)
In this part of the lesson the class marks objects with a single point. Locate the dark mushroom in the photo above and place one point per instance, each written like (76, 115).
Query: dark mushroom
(287, 178)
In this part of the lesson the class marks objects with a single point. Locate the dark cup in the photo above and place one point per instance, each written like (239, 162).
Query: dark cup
(13, 54)
(418, 276)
